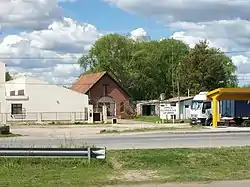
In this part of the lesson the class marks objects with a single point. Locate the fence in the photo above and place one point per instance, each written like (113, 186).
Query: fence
(97, 153)
(45, 117)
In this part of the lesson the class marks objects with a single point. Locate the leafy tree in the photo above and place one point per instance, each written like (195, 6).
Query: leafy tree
(146, 69)
(111, 53)
(8, 77)
(205, 69)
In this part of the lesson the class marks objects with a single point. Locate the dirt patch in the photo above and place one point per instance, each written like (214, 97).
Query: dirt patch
(135, 175)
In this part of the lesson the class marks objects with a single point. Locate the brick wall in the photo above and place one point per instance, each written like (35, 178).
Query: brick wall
(113, 90)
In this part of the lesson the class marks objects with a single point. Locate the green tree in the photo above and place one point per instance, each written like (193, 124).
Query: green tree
(8, 77)
(111, 53)
(146, 69)
(205, 69)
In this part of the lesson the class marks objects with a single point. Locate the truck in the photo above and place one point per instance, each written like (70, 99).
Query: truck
(231, 111)
(200, 109)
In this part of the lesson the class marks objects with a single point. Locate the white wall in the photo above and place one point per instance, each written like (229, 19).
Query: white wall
(2, 86)
(15, 85)
(51, 100)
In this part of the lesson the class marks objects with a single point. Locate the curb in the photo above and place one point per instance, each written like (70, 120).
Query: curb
(211, 132)
(175, 132)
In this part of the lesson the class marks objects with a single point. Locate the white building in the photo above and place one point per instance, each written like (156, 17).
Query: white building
(152, 107)
(30, 99)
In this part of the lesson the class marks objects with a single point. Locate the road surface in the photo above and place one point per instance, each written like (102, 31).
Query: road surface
(138, 141)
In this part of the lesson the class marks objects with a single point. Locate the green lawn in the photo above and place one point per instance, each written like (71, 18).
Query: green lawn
(161, 165)
(148, 118)
(9, 135)
(154, 119)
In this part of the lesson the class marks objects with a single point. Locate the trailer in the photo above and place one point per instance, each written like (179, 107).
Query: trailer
(234, 112)
(237, 109)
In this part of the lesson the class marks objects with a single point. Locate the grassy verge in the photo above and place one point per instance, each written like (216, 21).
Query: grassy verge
(129, 166)
(154, 119)
(106, 131)
(9, 135)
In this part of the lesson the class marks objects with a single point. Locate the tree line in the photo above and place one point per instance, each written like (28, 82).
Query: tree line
(147, 69)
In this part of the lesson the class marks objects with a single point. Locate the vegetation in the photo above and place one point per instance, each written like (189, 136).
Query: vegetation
(8, 77)
(148, 69)
(160, 165)
(155, 119)
(8, 135)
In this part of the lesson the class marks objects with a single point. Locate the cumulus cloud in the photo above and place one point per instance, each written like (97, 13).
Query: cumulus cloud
(139, 34)
(51, 53)
(29, 14)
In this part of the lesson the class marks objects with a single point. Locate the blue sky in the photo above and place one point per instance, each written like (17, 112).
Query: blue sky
(112, 19)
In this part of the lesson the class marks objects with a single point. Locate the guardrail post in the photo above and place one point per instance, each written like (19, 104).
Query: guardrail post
(72, 117)
(89, 154)
(5, 118)
(39, 117)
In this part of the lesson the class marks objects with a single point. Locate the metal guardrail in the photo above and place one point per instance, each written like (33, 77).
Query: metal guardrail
(97, 153)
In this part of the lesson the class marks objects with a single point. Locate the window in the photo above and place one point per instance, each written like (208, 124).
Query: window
(20, 92)
(12, 93)
(122, 107)
(197, 105)
(16, 108)
(207, 105)
(172, 104)
(105, 89)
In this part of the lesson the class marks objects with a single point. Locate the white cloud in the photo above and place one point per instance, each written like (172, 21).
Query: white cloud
(51, 53)
(139, 34)
(187, 10)
(28, 14)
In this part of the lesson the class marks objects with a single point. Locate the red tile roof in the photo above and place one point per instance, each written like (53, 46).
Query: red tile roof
(85, 82)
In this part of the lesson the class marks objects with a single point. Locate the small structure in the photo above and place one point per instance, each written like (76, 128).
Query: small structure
(225, 94)
(152, 107)
(103, 89)
(148, 108)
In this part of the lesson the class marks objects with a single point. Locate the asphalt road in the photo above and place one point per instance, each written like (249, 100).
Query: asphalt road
(138, 141)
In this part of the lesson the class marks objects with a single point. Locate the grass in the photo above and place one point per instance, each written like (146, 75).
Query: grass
(129, 166)
(154, 119)
(9, 135)
(105, 131)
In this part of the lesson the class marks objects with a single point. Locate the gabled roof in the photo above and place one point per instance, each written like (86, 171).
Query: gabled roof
(176, 99)
(87, 81)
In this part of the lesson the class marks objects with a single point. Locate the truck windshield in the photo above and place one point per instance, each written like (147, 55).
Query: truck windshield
(197, 105)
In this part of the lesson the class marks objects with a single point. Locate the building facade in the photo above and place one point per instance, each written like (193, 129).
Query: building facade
(152, 107)
(30, 99)
(103, 89)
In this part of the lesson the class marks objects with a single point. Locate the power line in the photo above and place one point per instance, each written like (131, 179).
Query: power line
(75, 57)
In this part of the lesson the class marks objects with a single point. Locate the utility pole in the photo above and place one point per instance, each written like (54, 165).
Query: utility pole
(177, 83)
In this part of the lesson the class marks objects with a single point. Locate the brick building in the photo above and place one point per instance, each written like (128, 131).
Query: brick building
(102, 89)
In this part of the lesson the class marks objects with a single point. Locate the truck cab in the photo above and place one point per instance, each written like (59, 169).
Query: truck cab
(200, 109)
